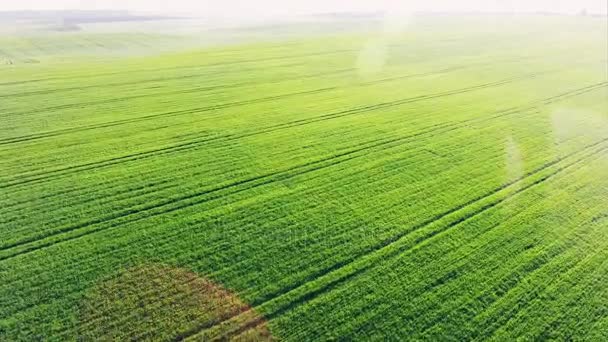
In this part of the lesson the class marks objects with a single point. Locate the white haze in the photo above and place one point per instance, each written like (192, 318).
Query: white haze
(274, 8)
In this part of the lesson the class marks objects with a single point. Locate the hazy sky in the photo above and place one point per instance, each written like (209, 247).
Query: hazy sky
(283, 7)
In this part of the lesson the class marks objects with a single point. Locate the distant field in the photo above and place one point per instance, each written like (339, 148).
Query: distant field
(444, 181)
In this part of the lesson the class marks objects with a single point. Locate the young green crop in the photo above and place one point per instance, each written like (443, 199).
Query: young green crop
(456, 192)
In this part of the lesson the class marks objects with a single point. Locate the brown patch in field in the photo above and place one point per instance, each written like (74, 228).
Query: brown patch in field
(156, 302)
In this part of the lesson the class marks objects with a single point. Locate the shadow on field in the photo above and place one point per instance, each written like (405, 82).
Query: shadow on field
(158, 302)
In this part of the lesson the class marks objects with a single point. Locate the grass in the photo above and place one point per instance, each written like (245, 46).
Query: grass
(451, 187)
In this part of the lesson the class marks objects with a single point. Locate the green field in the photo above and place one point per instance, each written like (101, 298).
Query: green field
(445, 182)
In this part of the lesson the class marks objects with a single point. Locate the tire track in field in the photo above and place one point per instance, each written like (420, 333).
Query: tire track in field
(262, 180)
(379, 142)
(218, 64)
(258, 181)
(509, 312)
(430, 129)
(185, 67)
(55, 133)
(233, 188)
(509, 280)
(457, 267)
(304, 193)
(37, 178)
(36, 136)
(22, 82)
(443, 276)
(284, 174)
(562, 96)
(582, 295)
(207, 108)
(323, 186)
(194, 144)
(127, 98)
(177, 92)
(74, 105)
(339, 273)
(146, 191)
(513, 280)
(126, 83)
(468, 215)
(164, 181)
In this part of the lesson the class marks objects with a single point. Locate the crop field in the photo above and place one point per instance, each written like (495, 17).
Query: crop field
(445, 181)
